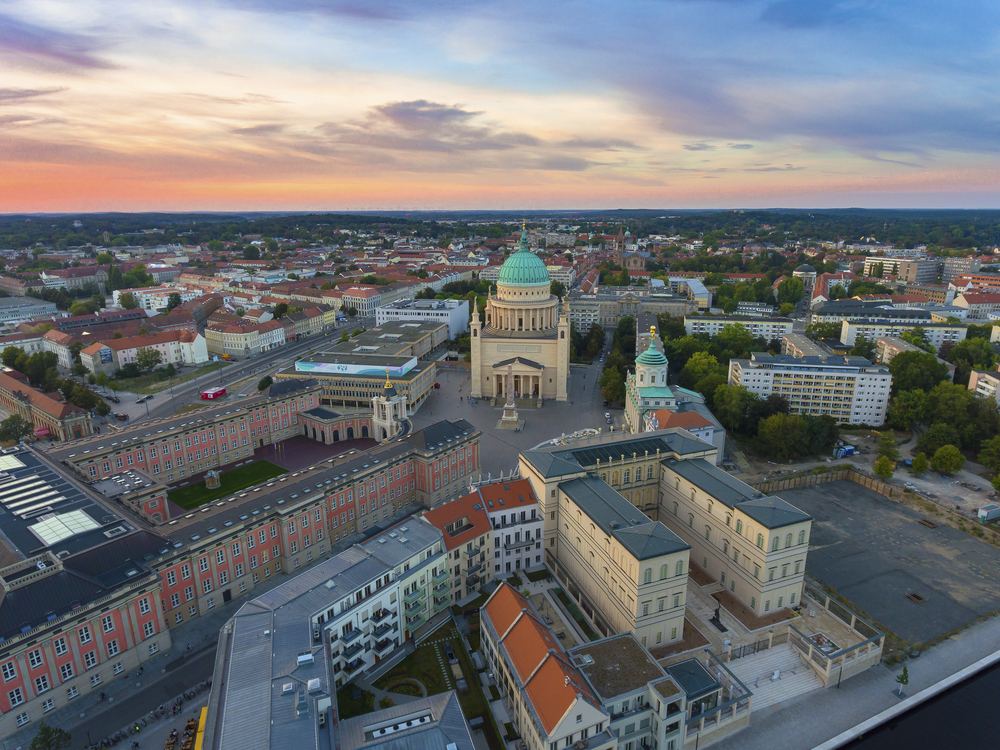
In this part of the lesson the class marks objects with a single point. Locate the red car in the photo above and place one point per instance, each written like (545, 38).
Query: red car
(437, 385)
(121, 416)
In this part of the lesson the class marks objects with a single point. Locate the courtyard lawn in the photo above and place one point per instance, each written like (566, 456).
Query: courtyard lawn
(423, 665)
(538, 575)
(575, 613)
(348, 706)
(196, 495)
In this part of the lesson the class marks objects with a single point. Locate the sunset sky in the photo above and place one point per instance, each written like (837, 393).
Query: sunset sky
(408, 104)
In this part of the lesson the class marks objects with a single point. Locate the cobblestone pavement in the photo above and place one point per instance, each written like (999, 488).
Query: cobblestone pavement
(500, 447)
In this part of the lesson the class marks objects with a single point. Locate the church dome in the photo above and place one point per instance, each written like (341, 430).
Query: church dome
(523, 268)
(806, 269)
(652, 357)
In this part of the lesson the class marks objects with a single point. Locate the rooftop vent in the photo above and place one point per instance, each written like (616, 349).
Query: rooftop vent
(288, 687)
(305, 657)
(313, 685)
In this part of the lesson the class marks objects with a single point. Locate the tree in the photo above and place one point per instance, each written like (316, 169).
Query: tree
(104, 259)
(918, 337)
(352, 312)
(989, 454)
(344, 336)
(883, 468)
(128, 301)
(786, 309)
(264, 382)
(817, 331)
(863, 347)
(15, 427)
(558, 289)
(916, 371)
(612, 384)
(920, 464)
(971, 354)
(700, 365)
(251, 252)
(948, 459)
(101, 408)
(50, 738)
(937, 435)
(780, 436)
(174, 300)
(280, 310)
(731, 405)
(9, 356)
(147, 358)
(790, 290)
(887, 447)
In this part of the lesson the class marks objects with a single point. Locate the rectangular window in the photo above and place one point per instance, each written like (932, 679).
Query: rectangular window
(41, 684)
(185, 571)
(66, 671)
(71, 693)
(35, 658)
(203, 564)
(90, 659)
(22, 718)
(9, 671)
(171, 578)
(112, 648)
(59, 646)
(16, 697)
(147, 629)
(108, 623)
(189, 593)
(144, 606)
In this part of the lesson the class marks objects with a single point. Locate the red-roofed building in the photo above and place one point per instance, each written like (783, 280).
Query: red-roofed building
(692, 421)
(175, 347)
(52, 417)
(548, 698)
(978, 304)
(468, 541)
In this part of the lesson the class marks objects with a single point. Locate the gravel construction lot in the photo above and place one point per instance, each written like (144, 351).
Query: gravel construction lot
(875, 552)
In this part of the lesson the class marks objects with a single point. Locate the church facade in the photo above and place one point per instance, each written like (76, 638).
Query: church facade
(525, 329)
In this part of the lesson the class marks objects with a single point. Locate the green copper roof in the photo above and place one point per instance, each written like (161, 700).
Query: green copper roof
(523, 268)
(652, 356)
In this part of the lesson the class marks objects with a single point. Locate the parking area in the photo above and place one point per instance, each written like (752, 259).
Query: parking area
(918, 580)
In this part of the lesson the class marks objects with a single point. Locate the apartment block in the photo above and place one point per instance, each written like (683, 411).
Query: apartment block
(840, 310)
(611, 304)
(955, 267)
(978, 304)
(766, 328)
(915, 270)
(876, 328)
(985, 383)
(453, 312)
(850, 389)
(468, 544)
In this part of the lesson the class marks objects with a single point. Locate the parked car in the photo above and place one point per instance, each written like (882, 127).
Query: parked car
(607, 415)
(140, 399)
(121, 416)
(437, 385)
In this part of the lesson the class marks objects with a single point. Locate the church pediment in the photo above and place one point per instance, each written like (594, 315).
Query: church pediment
(518, 361)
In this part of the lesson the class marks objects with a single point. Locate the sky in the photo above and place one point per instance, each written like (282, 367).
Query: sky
(463, 104)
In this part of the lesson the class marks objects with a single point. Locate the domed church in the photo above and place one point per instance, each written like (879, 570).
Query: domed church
(525, 329)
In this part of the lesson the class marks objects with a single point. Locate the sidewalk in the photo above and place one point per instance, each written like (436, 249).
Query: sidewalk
(809, 721)
(171, 672)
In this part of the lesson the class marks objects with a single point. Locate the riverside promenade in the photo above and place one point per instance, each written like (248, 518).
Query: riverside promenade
(822, 719)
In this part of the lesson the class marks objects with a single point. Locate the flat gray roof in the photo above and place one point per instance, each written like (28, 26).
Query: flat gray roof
(447, 726)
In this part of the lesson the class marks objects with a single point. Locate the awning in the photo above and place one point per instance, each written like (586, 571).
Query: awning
(40, 431)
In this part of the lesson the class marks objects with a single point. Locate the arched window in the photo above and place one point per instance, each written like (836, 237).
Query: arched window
(663, 571)
(690, 520)
(774, 546)
(562, 334)
(677, 484)
(647, 576)
(739, 526)
(641, 376)
(725, 547)
(760, 541)
(788, 540)
(709, 507)
(729, 520)
(627, 474)
(475, 333)
(708, 532)
(675, 509)
(614, 477)
(680, 568)
(802, 537)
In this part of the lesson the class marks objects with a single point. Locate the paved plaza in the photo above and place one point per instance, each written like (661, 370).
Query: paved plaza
(875, 552)
(500, 447)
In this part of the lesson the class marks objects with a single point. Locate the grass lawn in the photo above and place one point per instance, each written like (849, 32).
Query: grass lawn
(423, 665)
(196, 495)
(152, 382)
(537, 575)
(348, 706)
(576, 614)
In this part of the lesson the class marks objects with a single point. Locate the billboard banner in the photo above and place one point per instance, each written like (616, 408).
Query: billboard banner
(346, 368)
(106, 356)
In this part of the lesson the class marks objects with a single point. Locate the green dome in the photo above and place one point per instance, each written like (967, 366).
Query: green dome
(523, 268)
(652, 357)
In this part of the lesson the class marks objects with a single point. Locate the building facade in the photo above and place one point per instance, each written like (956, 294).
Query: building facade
(852, 390)
(767, 328)
(451, 311)
(525, 330)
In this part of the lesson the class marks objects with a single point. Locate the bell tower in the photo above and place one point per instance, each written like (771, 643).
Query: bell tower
(389, 412)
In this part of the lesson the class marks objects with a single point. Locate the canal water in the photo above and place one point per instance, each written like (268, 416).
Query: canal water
(963, 717)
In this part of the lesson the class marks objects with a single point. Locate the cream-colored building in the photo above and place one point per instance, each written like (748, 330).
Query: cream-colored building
(850, 389)
(524, 330)
(755, 545)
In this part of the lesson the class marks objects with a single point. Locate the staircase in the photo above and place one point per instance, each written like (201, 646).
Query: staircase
(795, 677)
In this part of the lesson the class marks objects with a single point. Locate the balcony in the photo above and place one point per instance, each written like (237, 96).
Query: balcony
(439, 587)
(384, 647)
(351, 651)
(382, 614)
(414, 595)
(414, 622)
(411, 606)
(352, 636)
(382, 630)
(473, 569)
(441, 576)
(440, 602)
(473, 552)
(519, 545)
(354, 666)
